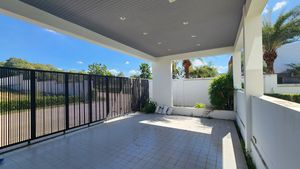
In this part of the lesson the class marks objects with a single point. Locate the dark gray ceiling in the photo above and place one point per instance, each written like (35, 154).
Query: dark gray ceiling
(214, 22)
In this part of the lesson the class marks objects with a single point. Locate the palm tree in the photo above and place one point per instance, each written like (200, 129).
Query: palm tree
(285, 30)
(186, 65)
(175, 71)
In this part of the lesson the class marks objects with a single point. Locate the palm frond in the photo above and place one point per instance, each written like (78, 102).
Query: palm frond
(286, 29)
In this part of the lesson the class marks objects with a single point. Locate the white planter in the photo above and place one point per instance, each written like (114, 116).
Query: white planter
(222, 114)
(190, 111)
(204, 112)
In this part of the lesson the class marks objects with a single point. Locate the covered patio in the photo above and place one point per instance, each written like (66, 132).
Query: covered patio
(161, 31)
(138, 141)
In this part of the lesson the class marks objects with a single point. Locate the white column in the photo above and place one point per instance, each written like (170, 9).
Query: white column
(236, 67)
(253, 67)
(236, 70)
(162, 82)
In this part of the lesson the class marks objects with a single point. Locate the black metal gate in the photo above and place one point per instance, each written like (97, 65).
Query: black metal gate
(35, 103)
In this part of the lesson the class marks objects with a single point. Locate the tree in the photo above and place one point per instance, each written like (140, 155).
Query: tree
(20, 63)
(204, 71)
(285, 30)
(177, 72)
(99, 69)
(135, 76)
(145, 71)
(186, 65)
(120, 74)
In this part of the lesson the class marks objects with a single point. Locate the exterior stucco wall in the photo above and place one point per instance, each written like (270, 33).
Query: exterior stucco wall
(271, 86)
(188, 92)
(276, 131)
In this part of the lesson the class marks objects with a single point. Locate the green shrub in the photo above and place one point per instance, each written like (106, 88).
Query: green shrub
(289, 97)
(45, 101)
(221, 92)
(200, 105)
(149, 107)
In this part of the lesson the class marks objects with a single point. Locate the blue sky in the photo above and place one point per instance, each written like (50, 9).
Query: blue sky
(39, 45)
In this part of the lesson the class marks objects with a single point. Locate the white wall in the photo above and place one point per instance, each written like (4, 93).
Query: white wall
(271, 86)
(188, 92)
(241, 111)
(276, 129)
(289, 53)
(162, 83)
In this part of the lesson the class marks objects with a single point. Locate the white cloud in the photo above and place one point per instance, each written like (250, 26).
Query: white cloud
(133, 72)
(52, 31)
(198, 63)
(114, 71)
(127, 62)
(266, 10)
(279, 5)
(79, 62)
(222, 69)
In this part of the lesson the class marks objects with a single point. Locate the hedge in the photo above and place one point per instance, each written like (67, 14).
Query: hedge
(289, 97)
(40, 102)
(221, 92)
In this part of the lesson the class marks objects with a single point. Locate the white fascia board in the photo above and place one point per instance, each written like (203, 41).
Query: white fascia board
(238, 44)
(31, 14)
(197, 54)
(254, 7)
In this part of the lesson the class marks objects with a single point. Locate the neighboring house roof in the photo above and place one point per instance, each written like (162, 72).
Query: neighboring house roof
(289, 53)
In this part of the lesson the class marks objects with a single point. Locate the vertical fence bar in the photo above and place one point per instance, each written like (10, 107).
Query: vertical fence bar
(90, 97)
(33, 104)
(67, 100)
(107, 95)
(139, 94)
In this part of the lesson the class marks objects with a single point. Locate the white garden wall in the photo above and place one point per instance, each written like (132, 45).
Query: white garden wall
(241, 111)
(271, 86)
(188, 92)
(276, 133)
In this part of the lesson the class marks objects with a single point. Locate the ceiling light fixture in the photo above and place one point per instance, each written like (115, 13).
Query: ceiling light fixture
(171, 1)
(169, 49)
(145, 33)
(159, 43)
(185, 22)
(122, 18)
(193, 36)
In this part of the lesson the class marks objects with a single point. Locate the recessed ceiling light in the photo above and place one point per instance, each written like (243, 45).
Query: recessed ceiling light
(169, 49)
(171, 1)
(185, 22)
(145, 33)
(123, 18)
(159, 43)
(198, 44)
(193, 36)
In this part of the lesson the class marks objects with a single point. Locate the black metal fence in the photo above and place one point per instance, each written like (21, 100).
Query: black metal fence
(35, 103)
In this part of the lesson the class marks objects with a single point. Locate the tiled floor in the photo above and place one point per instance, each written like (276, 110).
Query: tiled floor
(137, 141)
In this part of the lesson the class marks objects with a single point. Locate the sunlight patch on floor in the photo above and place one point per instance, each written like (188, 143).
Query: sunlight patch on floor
(182, 124)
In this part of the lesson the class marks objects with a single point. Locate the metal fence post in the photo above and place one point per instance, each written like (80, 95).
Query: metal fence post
(67, 100)
(139, 93)
(107, 95)
(33, 104)
(90, 98)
